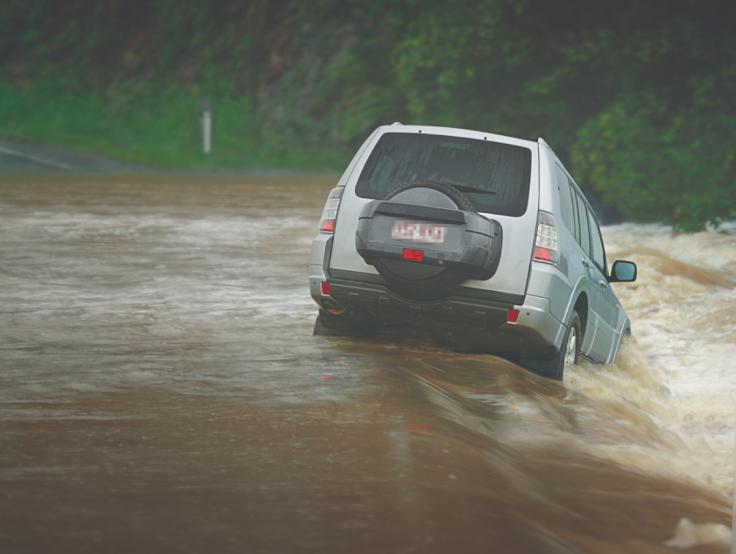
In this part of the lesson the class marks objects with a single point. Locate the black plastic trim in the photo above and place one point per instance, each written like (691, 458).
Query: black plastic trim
(327, 255)
(420, 212)
(503, 298)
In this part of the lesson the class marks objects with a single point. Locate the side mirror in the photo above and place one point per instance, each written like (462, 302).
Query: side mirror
(623, 272)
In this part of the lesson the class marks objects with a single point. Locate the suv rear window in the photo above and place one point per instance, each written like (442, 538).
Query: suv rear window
(493, 175)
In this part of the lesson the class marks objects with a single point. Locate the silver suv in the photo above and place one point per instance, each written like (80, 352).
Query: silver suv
(482, 240)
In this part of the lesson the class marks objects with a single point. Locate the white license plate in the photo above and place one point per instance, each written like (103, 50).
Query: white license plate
(418, 232)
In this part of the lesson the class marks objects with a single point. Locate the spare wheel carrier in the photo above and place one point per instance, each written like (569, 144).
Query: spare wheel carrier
(447, 241)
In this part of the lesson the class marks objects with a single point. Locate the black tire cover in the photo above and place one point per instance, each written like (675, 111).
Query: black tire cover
(460, 200)
(418, 281)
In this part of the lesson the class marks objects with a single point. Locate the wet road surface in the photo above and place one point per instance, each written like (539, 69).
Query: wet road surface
(160, 390)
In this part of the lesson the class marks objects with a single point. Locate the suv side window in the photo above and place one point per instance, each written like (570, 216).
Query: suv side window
(583, 220)
(565, 195)
(597, 252)
(575, 212)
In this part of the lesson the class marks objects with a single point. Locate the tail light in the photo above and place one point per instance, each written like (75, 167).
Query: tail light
(326, 288)
(546, 244)
(329, 213)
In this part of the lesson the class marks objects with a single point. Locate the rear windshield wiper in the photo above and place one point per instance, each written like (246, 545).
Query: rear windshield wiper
(476, 190)
(462, 188)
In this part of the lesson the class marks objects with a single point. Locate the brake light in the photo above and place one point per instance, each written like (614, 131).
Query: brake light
(546, 243)
(542, 254)
(326, 288)
(329, 213)
(412, 254)
(327, 226)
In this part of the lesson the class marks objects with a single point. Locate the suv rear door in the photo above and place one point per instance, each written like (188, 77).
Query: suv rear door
(608, 305)
(599, 336)
(506, 168)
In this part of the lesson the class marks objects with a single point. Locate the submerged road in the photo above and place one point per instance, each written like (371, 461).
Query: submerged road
(160, 391)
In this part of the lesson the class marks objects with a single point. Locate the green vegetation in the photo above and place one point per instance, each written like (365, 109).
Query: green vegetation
(147, 125)
(637, 97)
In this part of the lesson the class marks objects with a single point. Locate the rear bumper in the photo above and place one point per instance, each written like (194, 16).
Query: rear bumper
(473, 316)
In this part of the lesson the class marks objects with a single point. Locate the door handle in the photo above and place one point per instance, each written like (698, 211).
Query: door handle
(585, 262)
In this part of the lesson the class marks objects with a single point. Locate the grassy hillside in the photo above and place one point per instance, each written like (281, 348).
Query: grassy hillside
(637, 97)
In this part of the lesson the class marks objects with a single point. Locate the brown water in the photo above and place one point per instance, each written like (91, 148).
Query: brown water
(160, 390)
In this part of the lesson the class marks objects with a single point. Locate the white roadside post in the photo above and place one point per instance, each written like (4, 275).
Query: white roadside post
(206, 127)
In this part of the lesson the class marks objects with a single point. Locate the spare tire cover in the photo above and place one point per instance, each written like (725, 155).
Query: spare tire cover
(426, 281)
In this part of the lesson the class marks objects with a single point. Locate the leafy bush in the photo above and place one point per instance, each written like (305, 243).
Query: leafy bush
(636, 97)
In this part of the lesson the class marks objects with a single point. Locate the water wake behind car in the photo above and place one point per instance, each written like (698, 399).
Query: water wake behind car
(161, 389)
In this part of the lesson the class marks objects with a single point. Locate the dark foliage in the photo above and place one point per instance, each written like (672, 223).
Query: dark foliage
(637, 96)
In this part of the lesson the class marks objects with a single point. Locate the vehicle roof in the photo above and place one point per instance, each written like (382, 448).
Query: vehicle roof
(455, 132)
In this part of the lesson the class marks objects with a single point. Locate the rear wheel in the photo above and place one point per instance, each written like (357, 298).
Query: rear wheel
(554, 366)
(330, 325)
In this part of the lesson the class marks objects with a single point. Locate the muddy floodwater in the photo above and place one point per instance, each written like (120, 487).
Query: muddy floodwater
(161, 391)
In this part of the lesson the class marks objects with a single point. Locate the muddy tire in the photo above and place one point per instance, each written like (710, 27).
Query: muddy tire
(554, 366)
(328, 325)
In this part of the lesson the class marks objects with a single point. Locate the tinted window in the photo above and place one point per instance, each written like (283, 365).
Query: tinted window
(494, 176)
(565, 194)
(583, 220)
(596, 247)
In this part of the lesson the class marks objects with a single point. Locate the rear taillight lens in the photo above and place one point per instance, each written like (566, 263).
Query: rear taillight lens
(326, 288)
(512, 315)
(547, 243)
(329, 213)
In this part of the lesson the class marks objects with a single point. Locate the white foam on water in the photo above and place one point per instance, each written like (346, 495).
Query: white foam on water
(680, 370)
(689, 534)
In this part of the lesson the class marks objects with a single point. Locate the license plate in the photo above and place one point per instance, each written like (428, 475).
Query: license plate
(414, 231)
